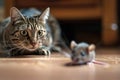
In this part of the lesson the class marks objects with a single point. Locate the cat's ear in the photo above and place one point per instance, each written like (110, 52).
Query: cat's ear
(73, 44)
(91, 47)
(15, 14)
(44, 16)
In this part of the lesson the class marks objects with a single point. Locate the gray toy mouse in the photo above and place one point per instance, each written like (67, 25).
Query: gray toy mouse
(83, 53)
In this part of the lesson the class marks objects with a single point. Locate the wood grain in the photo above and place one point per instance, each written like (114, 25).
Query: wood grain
(56, 68)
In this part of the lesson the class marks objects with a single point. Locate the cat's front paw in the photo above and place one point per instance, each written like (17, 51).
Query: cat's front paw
(44, 51)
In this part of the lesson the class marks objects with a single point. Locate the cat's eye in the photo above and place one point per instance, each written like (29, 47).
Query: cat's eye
(40, 32)
(23, 32)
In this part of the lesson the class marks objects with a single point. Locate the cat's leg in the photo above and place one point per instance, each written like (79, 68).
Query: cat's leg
(55, 34)
(13, 53)
(4, 54)
(16, 52)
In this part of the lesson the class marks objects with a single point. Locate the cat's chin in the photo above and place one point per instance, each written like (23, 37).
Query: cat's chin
(31, 49)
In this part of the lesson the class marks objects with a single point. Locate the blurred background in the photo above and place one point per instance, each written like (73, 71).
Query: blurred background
(92, 21)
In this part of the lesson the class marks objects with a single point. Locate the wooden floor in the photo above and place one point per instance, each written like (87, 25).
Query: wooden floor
(56, 68)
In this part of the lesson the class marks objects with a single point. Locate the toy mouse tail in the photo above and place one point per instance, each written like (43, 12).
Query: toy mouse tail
(66, 54)
(99, 62)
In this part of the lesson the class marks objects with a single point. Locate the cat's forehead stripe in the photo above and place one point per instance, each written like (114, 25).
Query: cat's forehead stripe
(33, 24)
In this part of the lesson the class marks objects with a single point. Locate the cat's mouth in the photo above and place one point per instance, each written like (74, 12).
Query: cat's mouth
(31, 49)
(34, 47)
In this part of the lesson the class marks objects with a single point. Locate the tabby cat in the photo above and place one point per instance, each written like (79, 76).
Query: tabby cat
(28, 31)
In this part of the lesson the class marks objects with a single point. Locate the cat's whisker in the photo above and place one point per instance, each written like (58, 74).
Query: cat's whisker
(12, 49)
(22, 51)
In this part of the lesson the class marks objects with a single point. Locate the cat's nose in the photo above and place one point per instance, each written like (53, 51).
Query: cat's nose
(33, 44)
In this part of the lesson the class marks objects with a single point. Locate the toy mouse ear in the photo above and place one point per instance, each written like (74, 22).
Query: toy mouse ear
(73, 44)
(91, 47)
(44, 16)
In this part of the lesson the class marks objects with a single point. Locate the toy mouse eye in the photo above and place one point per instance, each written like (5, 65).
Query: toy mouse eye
(23, 32)
(82, 54)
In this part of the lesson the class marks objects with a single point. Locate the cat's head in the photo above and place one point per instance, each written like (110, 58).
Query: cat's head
(81, 53)
(28, 33)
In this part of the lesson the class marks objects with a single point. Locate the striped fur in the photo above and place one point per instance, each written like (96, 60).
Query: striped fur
(25, 33)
